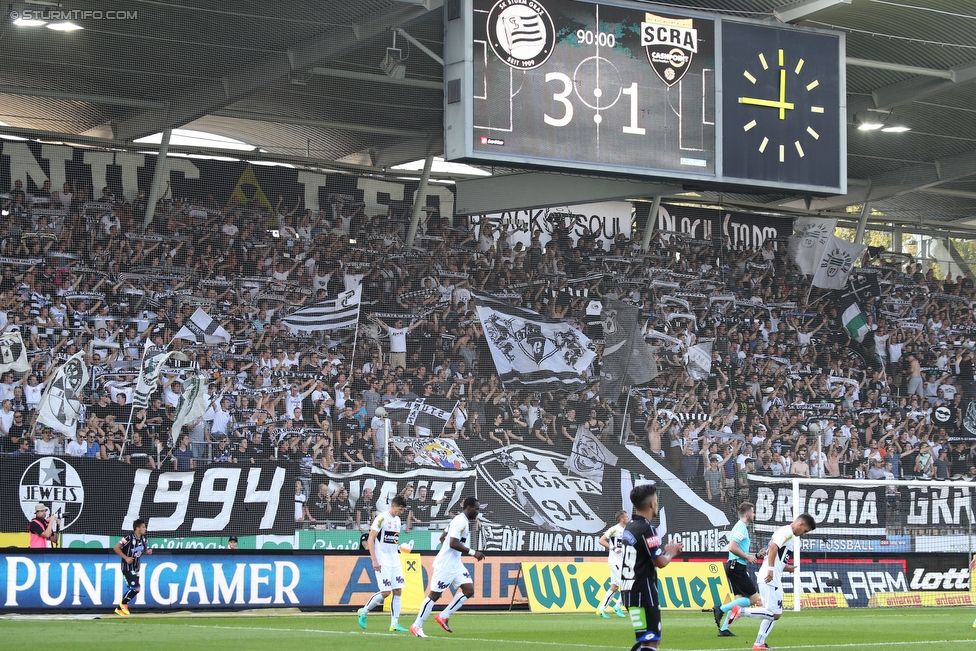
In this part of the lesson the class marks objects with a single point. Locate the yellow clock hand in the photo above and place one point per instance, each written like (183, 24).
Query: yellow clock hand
(782, 90)
(771, 103)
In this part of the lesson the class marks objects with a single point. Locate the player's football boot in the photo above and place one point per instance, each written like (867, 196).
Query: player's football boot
(362, 618)
(734, 614)
(724, 632)
(396, 628)
(603, 613)
(418, 631)
(443, 622)
(761, 647)
(122, 610)
(619, 612)
(717, 612)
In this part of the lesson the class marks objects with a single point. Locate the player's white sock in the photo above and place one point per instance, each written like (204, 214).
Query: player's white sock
(758, 613)
(424, 613)
(395, 610)
(606, 601)
(764, 629)
(373, 602)
(455, 604)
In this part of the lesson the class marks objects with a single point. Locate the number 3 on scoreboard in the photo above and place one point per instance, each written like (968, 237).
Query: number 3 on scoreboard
(561, 98)
(627, 567)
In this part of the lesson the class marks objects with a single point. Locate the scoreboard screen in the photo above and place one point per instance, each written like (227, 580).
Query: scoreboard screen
(621, 88)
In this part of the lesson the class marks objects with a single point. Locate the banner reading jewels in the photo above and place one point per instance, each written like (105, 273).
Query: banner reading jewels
(104, 498)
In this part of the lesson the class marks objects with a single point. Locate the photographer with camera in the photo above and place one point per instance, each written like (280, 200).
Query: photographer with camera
(41, 529)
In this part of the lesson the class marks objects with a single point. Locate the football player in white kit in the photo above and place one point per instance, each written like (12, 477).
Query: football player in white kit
(384, 552)
(449, 570)
(779, 559)
(612, 540)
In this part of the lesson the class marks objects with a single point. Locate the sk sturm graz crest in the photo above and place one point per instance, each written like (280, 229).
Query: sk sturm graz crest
(507, 333)
(670, 44)
(521, 33)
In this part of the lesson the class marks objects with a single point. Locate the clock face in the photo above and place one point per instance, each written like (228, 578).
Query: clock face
(781, 105)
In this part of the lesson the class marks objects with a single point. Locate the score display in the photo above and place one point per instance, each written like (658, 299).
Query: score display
(621, 88)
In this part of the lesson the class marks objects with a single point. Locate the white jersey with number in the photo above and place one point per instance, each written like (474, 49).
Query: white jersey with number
(386, 544)
(783, 538)
(614, 537)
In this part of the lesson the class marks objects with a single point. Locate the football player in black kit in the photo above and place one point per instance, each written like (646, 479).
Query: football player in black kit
(643, 555)
(130, 549)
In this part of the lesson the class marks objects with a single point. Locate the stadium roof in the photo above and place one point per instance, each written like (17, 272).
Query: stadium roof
(303, 82)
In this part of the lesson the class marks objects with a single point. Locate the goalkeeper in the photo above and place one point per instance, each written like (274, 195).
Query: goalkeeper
(741, 585)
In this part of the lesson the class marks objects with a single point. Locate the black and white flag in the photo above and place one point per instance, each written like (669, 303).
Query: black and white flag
(589, 456)
(153, 358)
(192, 404)
(60, 405)
(203, 330)
(342, 312)
(427, 415)
(621, 335)
(530, 350)
(13, 353)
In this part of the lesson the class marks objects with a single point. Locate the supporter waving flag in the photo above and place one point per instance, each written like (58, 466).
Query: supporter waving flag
(60, 405)
(532, 351)
(153, 359)
(13, 353)
(342, 312)
(192, 404)
(203, 330)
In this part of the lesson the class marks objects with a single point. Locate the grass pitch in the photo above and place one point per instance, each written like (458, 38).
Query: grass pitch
(872, 630)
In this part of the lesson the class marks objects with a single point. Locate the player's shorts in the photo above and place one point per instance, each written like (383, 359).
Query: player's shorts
(449, 576)
(389, 577)
(645, 614)
(740, 582)
(772, 597)
(614, 573)
(131, 579)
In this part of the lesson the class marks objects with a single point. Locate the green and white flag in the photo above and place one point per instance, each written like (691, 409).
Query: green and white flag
(853, 319)
(192, 404)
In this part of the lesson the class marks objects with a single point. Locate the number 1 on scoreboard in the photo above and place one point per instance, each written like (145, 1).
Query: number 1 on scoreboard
(632, 127)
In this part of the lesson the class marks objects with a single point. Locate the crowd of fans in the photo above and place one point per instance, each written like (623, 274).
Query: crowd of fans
(789, 393)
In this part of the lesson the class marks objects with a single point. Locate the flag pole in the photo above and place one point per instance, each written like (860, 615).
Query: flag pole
(623, 417)
(355, 333)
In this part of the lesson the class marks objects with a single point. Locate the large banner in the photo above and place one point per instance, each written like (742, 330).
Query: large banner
(197, 581)
(103, 498)
(578, 587)
(738, 230)
(859, 511)
(125, 173)
(606, 220)
(533, 503)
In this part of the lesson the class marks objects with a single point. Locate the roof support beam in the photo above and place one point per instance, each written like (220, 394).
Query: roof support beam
(206, 97)
(322, 124)
(377, 79)
(796, 11)
(927, 83)
(900, 181)
(82, 97)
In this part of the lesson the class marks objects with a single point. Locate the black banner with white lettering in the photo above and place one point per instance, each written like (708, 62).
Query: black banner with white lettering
(860, 511)
(103, 498)
(125, 173)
